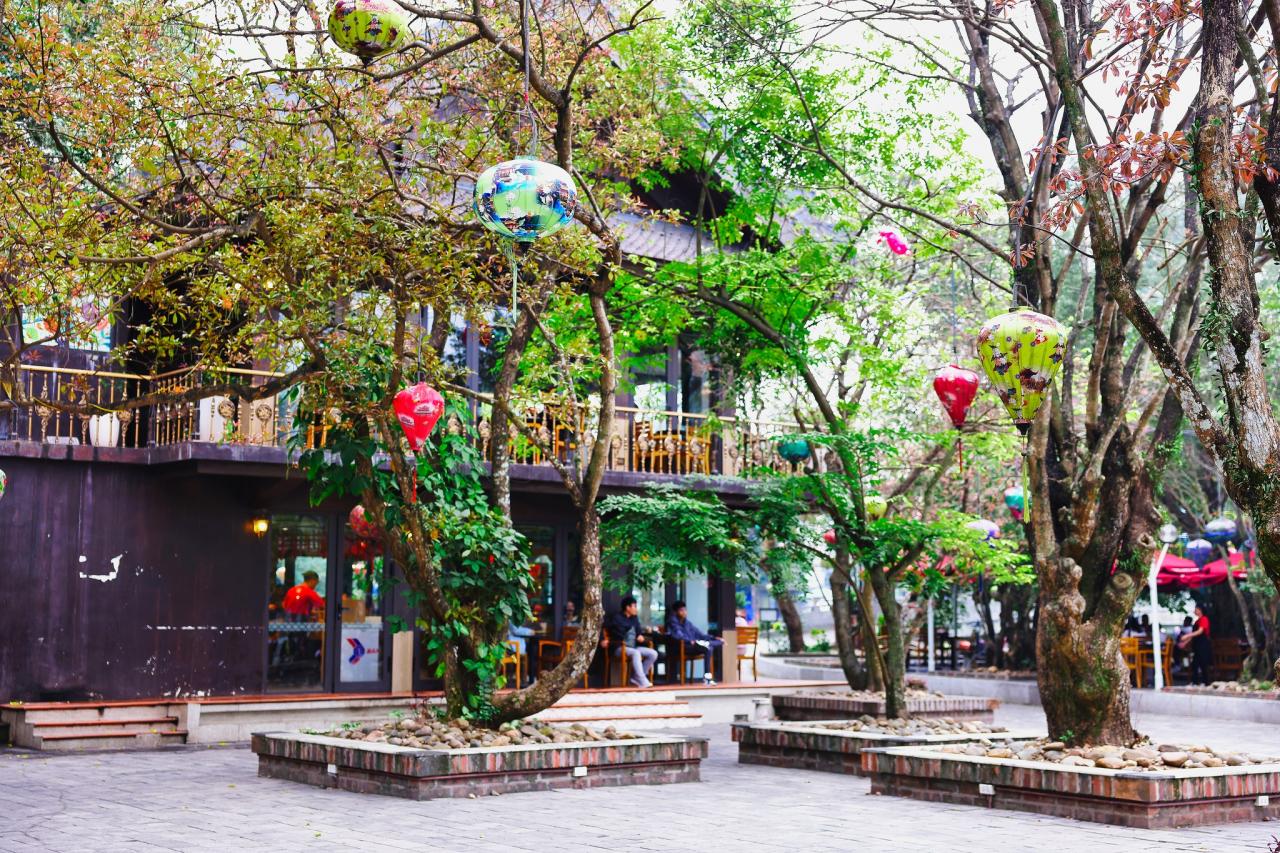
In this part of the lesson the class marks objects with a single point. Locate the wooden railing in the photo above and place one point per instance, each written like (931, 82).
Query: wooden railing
(647, 441)
(641, 441)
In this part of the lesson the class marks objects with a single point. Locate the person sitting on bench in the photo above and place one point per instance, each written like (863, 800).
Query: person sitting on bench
(695, 640)
(625, 631)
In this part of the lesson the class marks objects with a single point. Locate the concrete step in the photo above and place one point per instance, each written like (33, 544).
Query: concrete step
(80, 712)
(110, 739)
(90, 727)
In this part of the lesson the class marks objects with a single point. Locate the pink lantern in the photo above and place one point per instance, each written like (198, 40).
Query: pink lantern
(895, 243)
(418, 408)
(829, 537)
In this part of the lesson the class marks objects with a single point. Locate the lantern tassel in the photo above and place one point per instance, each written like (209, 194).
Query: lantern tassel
(960, 453)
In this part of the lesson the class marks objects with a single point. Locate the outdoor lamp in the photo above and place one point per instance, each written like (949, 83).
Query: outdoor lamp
(1168, 534)
(260, 525)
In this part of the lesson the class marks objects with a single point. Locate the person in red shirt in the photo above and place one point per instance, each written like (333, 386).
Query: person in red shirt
(1201, 648)
(302, 599)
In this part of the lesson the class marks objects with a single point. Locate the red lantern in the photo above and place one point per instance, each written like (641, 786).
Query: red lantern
(829, 537)
(956, 387)
(360, 525)
(418, 408)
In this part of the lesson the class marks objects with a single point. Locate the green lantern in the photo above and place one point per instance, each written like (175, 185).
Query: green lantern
(876, 506)
(524, 199)
(368, 28)
(4, 481)
(1021, 353)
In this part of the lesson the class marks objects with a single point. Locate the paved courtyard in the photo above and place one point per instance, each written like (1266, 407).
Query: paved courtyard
(212, 800)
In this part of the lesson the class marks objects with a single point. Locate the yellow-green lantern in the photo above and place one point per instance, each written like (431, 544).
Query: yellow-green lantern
(1021, 353)
(368, 28)
(876, 506)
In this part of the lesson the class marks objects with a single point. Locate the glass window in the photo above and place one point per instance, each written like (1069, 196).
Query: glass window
(296, 604)
(361, 646)
(695, 593)
(542, 545)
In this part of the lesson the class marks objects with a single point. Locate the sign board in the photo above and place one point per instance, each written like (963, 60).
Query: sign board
(360, 651)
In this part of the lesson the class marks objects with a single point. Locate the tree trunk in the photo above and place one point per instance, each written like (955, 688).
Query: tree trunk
(1084, 683)
(895, 672)
(994, 656)
(1253, 661)
(842, 614)
(790, 618)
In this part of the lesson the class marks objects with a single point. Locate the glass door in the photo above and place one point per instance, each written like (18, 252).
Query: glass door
(298, 584)
(363, 648)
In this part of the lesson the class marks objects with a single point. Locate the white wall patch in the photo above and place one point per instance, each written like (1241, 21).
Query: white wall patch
(109, 576)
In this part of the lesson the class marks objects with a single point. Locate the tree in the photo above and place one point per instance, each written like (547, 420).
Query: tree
(1081, 216)
(215, 175)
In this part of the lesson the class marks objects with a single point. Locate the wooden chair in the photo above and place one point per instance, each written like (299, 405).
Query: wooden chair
(689, 660)
(748, 636)
(1228, 660)
(1147, 660)
(513, 657)
(1131, 650)
(551, 652)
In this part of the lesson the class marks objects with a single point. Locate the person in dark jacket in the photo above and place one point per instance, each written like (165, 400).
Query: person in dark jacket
(627, 636)
(695, 640)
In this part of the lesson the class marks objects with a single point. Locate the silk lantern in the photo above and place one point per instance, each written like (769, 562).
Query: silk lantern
(989, 529)
(418, 408)
(368, 28)
(876, 506)
(956, 387)
(524, 199)
(794, 450)
(4, 481)
(1198, 551)
(360, 524)
(829, 537)
(1021, 353)
(1016, 500)
(895, 243)
(1220, 530)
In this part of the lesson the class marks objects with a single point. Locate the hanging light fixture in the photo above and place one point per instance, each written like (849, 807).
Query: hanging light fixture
(1021, 353)
(368, 28)
(876, 506)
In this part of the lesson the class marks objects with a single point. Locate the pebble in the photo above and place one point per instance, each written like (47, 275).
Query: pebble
(1112, 762)
(1174, 759)
(1076, 761)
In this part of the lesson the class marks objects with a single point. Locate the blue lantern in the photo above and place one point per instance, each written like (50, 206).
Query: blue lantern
(1220, 530)
(1198, 551)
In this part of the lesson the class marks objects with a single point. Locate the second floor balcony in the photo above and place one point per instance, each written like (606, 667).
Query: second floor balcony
(648, 442)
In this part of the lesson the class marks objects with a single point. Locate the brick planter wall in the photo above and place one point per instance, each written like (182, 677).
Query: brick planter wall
(1159, 800)
(419, 774)
(802, 747)
(816, 706)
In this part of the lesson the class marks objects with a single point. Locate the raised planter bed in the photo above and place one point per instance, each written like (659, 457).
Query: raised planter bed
(1161, 799)
(817, 746)
(1232, 691)
(423, 774)
(847, 705)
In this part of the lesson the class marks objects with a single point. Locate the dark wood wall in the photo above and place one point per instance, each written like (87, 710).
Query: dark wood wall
(182, 612)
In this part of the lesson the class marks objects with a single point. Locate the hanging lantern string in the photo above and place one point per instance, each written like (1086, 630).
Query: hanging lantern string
(955, 349)
(1050, 136)
(528, 102)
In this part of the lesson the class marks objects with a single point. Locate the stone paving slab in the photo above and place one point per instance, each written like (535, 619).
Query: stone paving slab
(211, 799)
